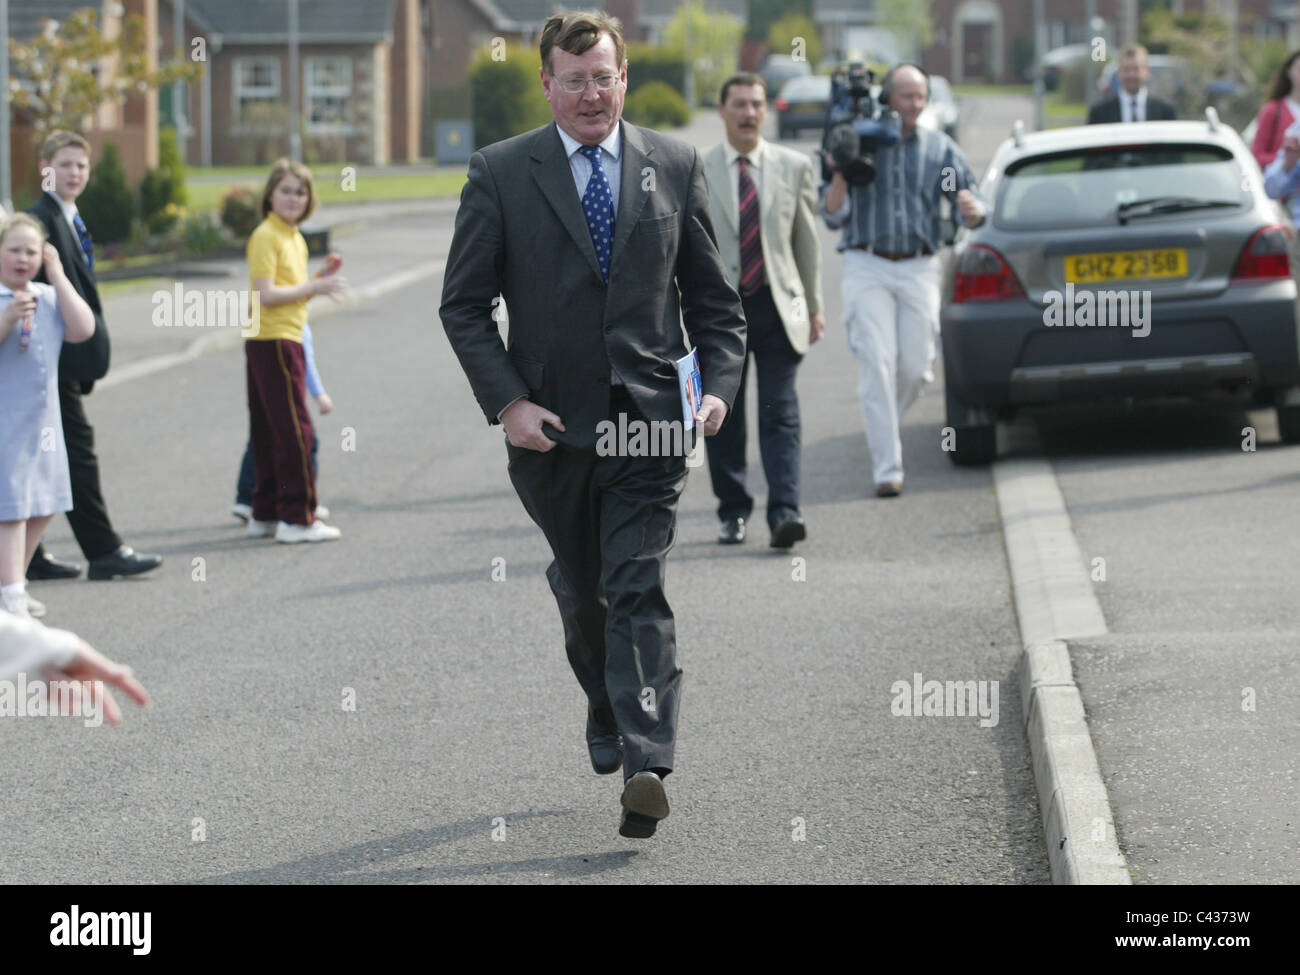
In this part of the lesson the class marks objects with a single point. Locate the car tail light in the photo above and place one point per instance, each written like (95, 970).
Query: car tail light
(1266, 255)
(781, 104)
(982, 275)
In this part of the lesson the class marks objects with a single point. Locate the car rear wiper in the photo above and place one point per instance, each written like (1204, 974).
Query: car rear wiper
(1166, 204)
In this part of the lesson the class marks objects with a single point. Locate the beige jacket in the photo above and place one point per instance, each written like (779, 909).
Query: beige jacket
(787, 208)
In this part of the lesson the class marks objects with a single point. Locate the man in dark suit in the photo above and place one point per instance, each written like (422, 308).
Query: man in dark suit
(1134, 103)
(65, 170)
(588, 228)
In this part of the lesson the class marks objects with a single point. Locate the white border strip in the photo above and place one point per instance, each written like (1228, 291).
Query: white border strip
(1055, 602)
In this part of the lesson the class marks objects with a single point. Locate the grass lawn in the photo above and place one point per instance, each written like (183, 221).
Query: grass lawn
(975, 91)
(134, 284)
(395, 186)
(1058, 114)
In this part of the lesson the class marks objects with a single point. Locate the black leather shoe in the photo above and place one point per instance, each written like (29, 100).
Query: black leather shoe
(46, 566)
(126, 561)
(644, 803)
(733, 532)
(787, 530)
(604, 746)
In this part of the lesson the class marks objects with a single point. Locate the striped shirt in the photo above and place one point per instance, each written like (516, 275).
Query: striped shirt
(898, 211)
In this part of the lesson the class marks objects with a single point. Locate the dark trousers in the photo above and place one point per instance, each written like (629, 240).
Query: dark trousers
(247, 481)
(779, 436)
(610, 522)
(89, 515)
(281, 431)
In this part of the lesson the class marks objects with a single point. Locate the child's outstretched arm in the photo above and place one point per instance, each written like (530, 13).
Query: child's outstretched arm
(78, 319)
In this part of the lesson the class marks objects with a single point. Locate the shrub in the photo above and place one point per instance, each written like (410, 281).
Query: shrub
(107, 204)
(656, 106)
(202, 234)
(647, 63)
(240, 211)
(164, 186)
(507, 96)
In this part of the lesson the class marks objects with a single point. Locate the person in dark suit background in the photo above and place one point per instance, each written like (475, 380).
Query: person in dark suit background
(588, 228)
(1134, 103)
(66, 157)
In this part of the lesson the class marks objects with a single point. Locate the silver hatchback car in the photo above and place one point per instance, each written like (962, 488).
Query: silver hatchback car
(1129, 260)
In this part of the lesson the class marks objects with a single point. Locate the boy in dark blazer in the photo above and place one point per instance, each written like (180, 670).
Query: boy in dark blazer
(65, 170)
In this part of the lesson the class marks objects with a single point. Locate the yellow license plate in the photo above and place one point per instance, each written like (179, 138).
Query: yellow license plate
(1118, 265)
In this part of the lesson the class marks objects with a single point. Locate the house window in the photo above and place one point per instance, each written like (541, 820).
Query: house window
(257, 89)
(329, 95)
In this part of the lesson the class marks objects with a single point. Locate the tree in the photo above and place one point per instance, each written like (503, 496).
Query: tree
(715, 39)
(764, 13)
(58, 77)
(780, 38)
(909, 21)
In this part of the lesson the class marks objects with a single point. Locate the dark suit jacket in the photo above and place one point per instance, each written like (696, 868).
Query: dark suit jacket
(86, 361)
(1158, 110)
(520, 232)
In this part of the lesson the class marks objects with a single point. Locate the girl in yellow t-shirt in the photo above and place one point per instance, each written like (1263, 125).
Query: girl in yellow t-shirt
(280, 428)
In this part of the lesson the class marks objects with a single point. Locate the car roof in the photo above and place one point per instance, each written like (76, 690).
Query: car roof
(1116, 134)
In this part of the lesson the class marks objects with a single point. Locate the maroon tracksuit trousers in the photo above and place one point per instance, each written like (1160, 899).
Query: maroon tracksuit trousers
(280, 430)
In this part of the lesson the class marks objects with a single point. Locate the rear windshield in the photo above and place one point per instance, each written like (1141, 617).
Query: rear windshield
(1084, 188)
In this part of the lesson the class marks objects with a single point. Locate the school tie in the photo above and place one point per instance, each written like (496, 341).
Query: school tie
(83, 235)
(752, 276)
(1133, 115)
(598, 205)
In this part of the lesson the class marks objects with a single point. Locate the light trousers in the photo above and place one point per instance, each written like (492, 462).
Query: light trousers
(891, 318)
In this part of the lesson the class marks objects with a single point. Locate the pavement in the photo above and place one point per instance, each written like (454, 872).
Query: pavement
(463, 759)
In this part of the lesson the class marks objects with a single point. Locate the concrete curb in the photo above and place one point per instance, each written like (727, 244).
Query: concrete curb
(1054, 602)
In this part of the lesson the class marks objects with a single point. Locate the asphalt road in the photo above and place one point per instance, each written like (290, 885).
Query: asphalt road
(791, 766)
(464, 760)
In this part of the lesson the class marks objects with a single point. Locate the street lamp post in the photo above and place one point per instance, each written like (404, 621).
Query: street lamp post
(295, 136)
(6, 176)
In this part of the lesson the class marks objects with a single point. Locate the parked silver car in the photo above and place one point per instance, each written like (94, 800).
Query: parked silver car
(1119, 260)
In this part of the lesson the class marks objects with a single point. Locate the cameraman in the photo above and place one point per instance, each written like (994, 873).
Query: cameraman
(892, 271)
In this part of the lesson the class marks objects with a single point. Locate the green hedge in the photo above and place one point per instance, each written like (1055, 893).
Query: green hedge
(656, 106)
(507, 96)
(646, 64)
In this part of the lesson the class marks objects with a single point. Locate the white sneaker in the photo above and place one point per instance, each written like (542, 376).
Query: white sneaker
(35, 608)
(322, 511)
(15, 604)
(317, 531)
(244, 512)
(260, 529)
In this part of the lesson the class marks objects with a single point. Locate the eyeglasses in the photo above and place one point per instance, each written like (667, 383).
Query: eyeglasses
(575, 86)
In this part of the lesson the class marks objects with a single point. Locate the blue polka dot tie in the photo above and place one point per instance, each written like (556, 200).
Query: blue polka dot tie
(598, 207)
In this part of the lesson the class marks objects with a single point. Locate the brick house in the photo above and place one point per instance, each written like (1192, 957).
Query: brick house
(360, 79)
(131, 124)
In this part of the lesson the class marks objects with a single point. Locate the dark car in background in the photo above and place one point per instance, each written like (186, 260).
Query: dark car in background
(1125, 261)
(802, 104)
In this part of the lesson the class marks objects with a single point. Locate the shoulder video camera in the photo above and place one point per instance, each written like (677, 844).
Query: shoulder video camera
(856, 126)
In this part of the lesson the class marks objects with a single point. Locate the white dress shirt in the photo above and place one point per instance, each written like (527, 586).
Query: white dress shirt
(1126, 105)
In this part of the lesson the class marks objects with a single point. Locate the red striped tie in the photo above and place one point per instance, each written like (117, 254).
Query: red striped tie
(752, 276)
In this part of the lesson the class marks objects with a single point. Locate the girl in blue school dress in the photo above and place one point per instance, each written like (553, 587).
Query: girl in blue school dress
(35, 320)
